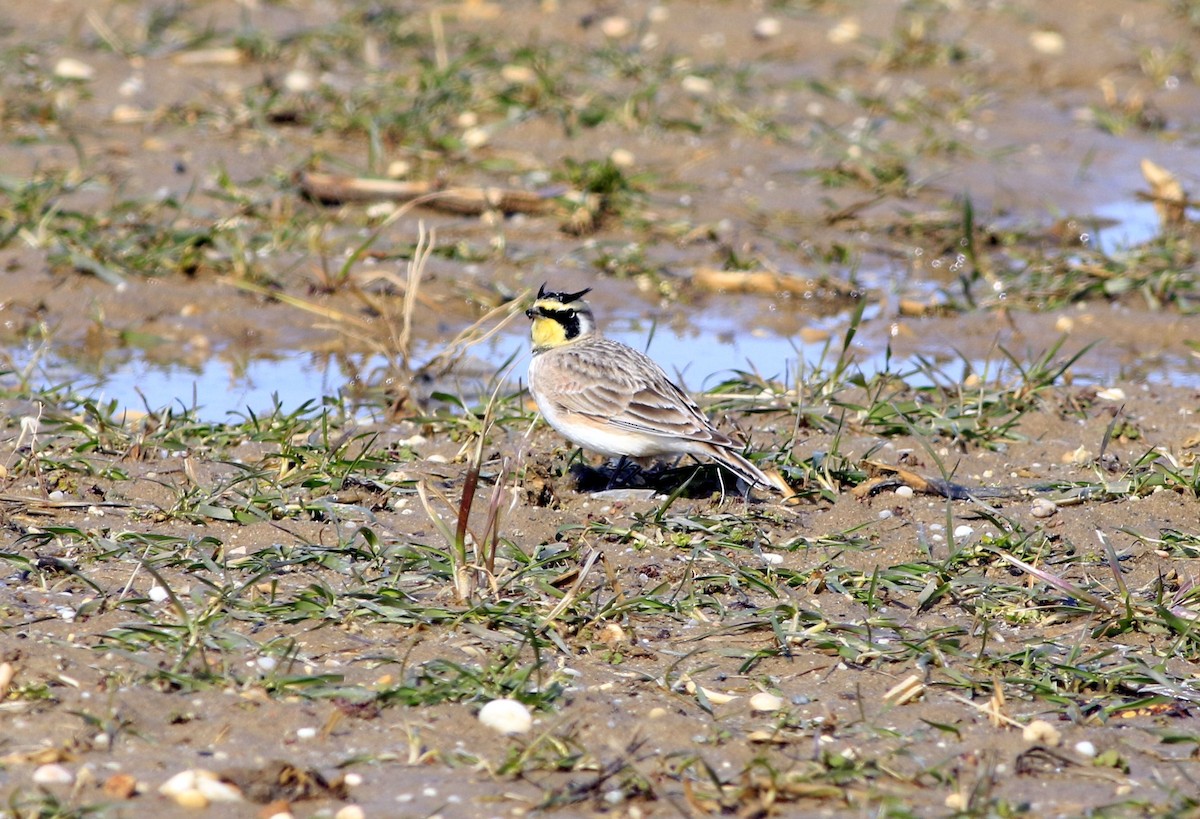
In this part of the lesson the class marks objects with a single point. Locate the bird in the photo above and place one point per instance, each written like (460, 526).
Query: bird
(609, 398)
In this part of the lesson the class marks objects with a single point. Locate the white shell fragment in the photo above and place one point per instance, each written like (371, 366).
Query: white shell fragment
(69, 68)
(196, 788)
(506, 716)
(765, 702)
(53, 774)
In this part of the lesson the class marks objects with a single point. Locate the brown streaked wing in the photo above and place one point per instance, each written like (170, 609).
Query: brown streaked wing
(611, 382)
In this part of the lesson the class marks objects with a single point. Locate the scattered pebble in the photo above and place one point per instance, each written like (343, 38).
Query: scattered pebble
(53, 774)
(475, 137)
(158, 594)
(616, 27)
(956, 801)
(8, 672)
(1047, 42)
(120, 786)
(298, 81)
(905, 491)
(885, 514)
(1064, 324)
(767, 27)
(350, 812)
(963, 531)
(518, 74)
(69, 68)
(622, 158)
(1042, 732)
(765, 702)
(613, 635)
(1111, 394)
(846, 31)
(198, 788)
(772, 559)
(1085, 748)
(306, 733)
(506, 716)
(1043, 508)
(696, 86)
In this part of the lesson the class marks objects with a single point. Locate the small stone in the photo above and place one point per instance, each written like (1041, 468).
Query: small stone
(53, 774)
(1111, 394)
(613, 635)
(904, 492)
(1047, 42)
(1043, 508)
(306, 733)
(350, 812)
(120, 786)
(767, 27)
(1085, 748)
(68, 68)
(298, 81)
(622, 158)
(1041, 732)
(765, 702)
(158, 594)
(475, 137)
(615, 27)
(696, 86)
(506, 716)
(963, 531)
(845, 32)
(956, 801)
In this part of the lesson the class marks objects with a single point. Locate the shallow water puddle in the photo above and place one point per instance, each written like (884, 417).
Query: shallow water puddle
(712, 347)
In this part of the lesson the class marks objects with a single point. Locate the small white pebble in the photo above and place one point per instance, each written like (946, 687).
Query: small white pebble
(762, 701)
(158, 594)
(352, 780)
(884, 514)
(350, 812)
(53, 775)
(506, 716)
(772, 558)
(266, 664)
(306, 733)
(1111, 394)
(1085, 748)
(1043, 508)
(963, 531)
(622, 158)
(767, 27)
(696, 86)
(904, 492)
(616, 27)
(298, 81)
(1047, 42)
(68, 68)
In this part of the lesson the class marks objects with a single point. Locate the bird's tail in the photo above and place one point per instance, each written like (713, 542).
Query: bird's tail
(740, 465)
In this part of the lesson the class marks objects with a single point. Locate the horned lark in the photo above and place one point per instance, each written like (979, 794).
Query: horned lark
(609, 398)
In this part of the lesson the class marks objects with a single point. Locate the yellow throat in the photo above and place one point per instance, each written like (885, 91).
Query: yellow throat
(547, 332)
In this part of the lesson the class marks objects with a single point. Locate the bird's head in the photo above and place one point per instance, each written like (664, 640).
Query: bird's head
(559, 318)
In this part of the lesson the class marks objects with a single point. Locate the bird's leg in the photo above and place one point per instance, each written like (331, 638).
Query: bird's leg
(615, 477)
